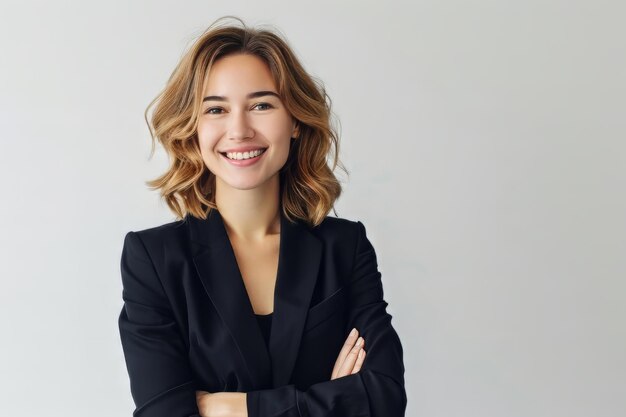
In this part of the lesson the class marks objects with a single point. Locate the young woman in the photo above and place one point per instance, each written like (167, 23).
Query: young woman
(244, 306)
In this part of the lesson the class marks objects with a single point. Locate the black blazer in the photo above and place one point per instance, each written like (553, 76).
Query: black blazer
(187, 323)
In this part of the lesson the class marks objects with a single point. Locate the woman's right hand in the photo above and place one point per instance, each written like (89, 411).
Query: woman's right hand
(351, 356)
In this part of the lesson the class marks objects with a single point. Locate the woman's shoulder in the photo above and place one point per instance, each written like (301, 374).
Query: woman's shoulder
(332, 222)
(160, 229)
(338, 228)
(161, 235)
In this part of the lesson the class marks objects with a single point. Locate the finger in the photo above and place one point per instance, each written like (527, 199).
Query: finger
(348, 363)
(359, 361)
(348, 344)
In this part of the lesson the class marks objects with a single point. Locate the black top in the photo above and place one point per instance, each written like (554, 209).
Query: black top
(265, 323)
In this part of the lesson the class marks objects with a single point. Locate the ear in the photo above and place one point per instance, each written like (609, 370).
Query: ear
(296, 129)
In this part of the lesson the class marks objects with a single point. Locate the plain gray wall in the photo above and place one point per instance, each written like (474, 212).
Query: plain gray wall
(486, 145)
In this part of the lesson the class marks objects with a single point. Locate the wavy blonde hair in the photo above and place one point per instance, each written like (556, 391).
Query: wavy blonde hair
(308, 186)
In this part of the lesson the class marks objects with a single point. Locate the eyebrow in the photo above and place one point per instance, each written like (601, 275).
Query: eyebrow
(251, 95)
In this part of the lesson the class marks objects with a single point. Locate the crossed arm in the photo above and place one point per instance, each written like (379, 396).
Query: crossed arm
(162, 383)
(234, 404)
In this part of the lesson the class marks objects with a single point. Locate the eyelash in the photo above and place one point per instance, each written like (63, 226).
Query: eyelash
(208, 111)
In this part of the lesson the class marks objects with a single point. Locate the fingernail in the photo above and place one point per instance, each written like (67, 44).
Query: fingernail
(359, 342)
(353, 332)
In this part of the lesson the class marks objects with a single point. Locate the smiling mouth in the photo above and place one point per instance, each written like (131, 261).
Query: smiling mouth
(251, 155)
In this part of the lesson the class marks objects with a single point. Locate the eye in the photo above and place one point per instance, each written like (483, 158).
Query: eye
(269, 106)
(210, 110)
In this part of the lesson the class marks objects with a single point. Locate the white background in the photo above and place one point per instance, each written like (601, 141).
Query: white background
(486, 143)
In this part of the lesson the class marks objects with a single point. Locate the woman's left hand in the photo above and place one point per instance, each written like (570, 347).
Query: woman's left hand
(222, 404)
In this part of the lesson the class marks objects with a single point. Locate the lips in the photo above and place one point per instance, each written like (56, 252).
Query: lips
(242, 150)
(243, 153)
(262, 151)
(244, 162)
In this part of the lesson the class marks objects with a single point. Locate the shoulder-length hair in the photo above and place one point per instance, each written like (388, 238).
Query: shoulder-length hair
(308, 186)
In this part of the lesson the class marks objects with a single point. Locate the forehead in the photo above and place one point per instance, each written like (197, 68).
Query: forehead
(238, 74)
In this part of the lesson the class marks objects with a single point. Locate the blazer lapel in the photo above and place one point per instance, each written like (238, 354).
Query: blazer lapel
(298, 264)
(298, 267)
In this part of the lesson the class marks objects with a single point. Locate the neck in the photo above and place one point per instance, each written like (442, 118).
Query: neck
(250, 215)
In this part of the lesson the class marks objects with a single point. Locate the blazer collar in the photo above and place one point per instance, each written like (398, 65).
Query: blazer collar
(298, 264)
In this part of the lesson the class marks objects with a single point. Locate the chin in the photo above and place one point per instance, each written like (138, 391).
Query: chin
(248, 185)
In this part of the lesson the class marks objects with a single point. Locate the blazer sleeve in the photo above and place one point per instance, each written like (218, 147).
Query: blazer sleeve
(161, 381)
(377, 390)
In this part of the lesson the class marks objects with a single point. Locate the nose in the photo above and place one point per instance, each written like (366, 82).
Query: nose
(239, 126)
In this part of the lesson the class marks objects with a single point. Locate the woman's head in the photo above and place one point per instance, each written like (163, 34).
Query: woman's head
(242, 113)
(231, 61)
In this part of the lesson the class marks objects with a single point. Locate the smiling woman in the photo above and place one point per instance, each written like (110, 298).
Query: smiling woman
(254, 302)
(250, 126)
(203, 99)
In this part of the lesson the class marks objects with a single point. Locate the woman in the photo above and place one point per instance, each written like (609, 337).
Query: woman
(244, 305)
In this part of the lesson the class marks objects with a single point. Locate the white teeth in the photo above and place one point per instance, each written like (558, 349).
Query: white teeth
(244, 155)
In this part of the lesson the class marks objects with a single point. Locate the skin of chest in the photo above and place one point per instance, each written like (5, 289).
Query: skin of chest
(258, 265)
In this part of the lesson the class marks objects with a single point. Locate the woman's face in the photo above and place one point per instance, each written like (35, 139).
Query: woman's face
(242, 112)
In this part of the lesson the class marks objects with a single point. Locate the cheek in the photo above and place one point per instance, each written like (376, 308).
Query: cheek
(207, 141)
(279, 133)
(280, 146)
(208, 154)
